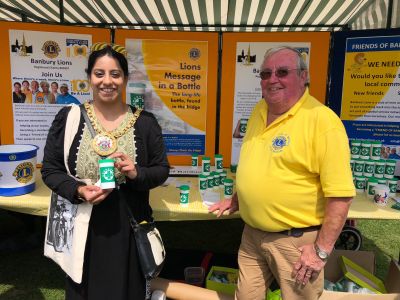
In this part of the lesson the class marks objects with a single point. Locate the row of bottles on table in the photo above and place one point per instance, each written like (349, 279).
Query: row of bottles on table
(373, 168)
(366, 149)
(370, 170)
(209, 181)
(216, 181)
(206, 163)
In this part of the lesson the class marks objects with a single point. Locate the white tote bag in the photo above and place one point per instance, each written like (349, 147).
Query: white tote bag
(67, 223)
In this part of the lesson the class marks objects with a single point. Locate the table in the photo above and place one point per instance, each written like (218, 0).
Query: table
(165, 203)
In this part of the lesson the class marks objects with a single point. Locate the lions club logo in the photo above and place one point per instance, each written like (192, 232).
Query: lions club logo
(23, 173)
(51, 49)
(194, 53)
(279, 142)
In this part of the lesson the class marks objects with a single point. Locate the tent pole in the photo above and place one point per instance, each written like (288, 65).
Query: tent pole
(389, 15)
(61, 6)
(219, 75)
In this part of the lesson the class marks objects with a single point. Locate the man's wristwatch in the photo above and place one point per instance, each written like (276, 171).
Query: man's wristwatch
(323, 255)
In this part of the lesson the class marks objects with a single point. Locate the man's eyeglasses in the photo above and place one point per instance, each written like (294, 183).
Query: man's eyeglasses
(101, 45)
(280, 73)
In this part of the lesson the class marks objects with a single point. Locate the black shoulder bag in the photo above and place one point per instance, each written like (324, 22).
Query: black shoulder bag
(151, 251)
(149, 244)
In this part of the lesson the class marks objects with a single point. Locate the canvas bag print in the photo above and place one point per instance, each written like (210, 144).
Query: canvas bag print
(66, 233)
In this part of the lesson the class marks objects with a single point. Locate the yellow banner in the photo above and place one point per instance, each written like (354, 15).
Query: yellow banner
(368, 77)
(177, 71)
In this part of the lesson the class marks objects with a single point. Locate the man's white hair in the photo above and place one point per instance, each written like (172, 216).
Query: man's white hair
(301, 64)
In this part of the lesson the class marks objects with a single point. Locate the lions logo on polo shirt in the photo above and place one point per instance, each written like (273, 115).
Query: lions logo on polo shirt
(279, 142)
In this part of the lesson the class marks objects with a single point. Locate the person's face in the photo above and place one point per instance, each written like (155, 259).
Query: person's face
(25, 84)
(35, 86)
(393, 151)
(107, 79)
(54, 87)
(64, 90)
(284, 91)
(45, 88)
(387, 149)
(17, 88)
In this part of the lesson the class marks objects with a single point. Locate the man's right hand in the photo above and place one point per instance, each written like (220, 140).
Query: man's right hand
(231, 205)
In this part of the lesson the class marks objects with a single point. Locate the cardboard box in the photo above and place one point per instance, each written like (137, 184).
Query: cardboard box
(361, 277)
(229, 273)
(365, 259)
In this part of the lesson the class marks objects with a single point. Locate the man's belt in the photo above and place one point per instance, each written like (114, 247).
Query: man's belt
(299, 231)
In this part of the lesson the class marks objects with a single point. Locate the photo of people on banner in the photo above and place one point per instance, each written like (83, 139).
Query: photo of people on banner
(42, 93)
(390, 152)
(373, 158)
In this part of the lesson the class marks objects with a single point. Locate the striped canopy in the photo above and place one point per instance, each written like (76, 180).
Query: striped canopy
(209, 15)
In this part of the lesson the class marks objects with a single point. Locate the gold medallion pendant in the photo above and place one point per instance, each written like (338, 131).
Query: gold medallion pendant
(104, 144)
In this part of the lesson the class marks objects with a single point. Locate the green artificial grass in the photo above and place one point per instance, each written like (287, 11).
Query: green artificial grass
(27, 274)
(383, 238)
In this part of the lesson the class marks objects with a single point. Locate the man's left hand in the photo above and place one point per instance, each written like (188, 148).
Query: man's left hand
(308, 266)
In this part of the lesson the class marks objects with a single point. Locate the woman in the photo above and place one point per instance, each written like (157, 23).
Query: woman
(18, 96)
(25, 87)
(111, 268)
(47, 96)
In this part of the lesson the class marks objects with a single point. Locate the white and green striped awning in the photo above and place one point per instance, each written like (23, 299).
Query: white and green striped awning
(376, 15)
(208, 15)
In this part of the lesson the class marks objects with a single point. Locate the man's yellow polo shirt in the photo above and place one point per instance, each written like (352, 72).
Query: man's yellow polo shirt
(286, 170)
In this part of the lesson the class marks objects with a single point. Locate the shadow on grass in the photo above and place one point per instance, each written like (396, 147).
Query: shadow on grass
(24, 272)
(222, 235)
(29, 274)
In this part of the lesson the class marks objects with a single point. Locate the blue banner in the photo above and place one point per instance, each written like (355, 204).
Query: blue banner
(373, 43)
(185, 144)
(386, 132)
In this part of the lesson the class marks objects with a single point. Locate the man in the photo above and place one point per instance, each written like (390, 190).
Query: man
(294, 184)
(393, 154)
(35, 91)
(65, 97)
(54, 89)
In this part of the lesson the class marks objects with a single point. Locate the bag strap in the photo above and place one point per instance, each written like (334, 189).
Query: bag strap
(71, 128)
(87, 121)
(131, 218)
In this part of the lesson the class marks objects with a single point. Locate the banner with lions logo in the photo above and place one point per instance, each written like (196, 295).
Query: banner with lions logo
(47, 73)
(169, 79)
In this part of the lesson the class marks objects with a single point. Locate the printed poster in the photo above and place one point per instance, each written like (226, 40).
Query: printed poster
(170, 80)
(249, 57)
(47, 72)
(371, 92)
